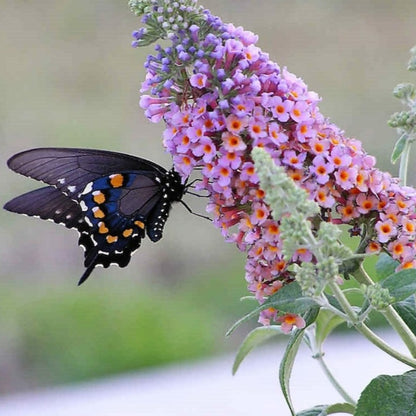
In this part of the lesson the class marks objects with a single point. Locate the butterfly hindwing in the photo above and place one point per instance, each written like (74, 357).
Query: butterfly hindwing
(48, 203)
(112, 199)
(117, 225)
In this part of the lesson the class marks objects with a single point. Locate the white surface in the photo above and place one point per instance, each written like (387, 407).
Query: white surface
(208, 388)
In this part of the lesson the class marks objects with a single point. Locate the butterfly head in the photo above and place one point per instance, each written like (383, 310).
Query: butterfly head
(174, 185)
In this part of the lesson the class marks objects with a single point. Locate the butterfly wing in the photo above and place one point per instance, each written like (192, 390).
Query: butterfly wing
(111, 198)
(70, 170)
(48, 203)
(116, 208)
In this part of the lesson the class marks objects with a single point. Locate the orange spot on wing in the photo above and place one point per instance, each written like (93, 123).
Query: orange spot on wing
(102, 229)
(98, 213)
(116, 180)
(140, 224)
(111, 238)
(127, 232)
(98, 197)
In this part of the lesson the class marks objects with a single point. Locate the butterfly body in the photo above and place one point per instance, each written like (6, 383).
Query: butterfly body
(112, 199)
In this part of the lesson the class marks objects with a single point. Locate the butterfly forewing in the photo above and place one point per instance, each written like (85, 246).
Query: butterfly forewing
(111, 198)
(70, 170)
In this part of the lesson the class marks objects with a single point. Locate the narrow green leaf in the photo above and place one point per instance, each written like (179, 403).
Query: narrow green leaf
(287, 364)
(401, 285)
(256, 337)
(311, 315)
(326, 322)
(385, 266)
(388, 396)
(289, 356)
(314, 411)
(399, 147)
(247, 317)
(325, 410)
(407, 310)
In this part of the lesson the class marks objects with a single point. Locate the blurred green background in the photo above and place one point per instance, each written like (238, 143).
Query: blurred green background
(70, 78)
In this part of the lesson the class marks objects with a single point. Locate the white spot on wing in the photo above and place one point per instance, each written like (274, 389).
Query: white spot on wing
(87, 189)
(83, 206)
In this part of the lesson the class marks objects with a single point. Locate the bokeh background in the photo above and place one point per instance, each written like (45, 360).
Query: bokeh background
(68, 77)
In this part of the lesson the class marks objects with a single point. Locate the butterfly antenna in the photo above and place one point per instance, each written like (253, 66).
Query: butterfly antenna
(190, 184)
(198, 195)
(194, 213)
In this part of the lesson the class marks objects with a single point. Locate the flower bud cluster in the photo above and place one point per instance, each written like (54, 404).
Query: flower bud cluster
(378, 296)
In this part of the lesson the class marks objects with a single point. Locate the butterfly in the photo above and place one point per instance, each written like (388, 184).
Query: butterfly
(112, 199)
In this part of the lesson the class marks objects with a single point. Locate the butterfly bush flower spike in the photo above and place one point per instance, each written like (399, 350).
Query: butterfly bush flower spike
(220, 96)
(293, 209)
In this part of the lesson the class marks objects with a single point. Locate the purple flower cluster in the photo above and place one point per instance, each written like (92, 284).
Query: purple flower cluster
(220, 96)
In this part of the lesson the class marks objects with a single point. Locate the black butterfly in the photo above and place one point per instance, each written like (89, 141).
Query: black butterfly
(111, 198)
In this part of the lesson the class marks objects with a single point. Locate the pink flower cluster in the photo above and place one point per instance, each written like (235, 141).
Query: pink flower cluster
(236, 99)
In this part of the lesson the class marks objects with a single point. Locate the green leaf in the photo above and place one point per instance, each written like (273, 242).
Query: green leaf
(399, 147)
(256, 337)
(289, 356)
(290, 299)
(401, 285)
(407, 310)
(287, 364)
(326, 322)
(385, 266)
(247, 317)
(325, 410)
(341, 408)
(389, 396)
(314, 411)
(287, 299)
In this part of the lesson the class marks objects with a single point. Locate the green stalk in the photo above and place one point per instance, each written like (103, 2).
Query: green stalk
(333, 380)
(366, 331)
(392, 317)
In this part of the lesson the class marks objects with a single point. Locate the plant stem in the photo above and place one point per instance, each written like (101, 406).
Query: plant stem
(393, 318)
(333, 380)
(366, 331)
